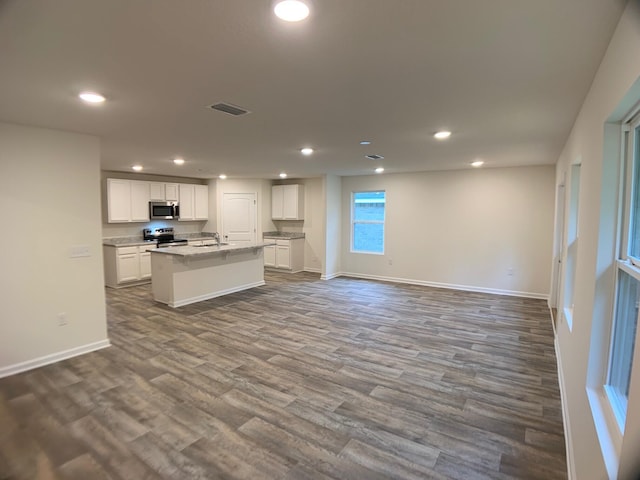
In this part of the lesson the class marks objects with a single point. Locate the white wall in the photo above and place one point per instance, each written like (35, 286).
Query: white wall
(461, 229)
(332, 199)
(51, 201)
(135, 229)
(582, 350)
(262, 189)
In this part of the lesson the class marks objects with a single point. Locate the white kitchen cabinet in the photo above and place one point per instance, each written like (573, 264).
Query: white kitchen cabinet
(287, 202)
(156, 191)
(127, 201)
(118, 200)
(126, 265)
(159, 191)
(139, 201)
(145, 264)
(194, 202)
(201, 202)
(286, 254)
(186, 201)
(270, 256)
(171, 193)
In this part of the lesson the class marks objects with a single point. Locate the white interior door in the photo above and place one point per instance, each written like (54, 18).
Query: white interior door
(239, 218)
(557, 277)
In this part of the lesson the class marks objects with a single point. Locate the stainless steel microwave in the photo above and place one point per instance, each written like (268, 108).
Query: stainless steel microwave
(164, 210)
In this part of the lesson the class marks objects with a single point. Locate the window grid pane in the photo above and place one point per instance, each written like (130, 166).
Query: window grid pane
(368, 214)
(624, 334)
(634, 241)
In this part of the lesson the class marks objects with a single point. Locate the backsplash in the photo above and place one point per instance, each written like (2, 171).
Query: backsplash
(110, 230)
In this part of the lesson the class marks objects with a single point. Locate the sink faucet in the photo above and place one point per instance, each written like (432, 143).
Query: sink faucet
(216, 237)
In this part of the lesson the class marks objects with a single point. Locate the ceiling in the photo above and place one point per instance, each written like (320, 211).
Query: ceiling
(507, 77)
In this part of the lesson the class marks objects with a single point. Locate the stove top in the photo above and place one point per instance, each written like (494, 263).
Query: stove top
(163, 237)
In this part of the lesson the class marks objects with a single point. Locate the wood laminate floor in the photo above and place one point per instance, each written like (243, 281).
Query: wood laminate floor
(299, 379)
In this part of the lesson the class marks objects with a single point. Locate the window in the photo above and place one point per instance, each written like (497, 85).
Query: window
(625, 316)
(572, 244)
(367, 222)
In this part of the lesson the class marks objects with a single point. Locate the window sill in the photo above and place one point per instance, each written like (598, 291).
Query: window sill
(607, 430)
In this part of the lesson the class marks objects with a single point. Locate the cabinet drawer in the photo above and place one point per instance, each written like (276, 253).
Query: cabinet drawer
(284, 243)
(127, 250)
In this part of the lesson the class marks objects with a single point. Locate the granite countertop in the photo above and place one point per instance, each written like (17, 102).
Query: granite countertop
(207, 250)
(126, 241)
(137, 241)
(283, 235)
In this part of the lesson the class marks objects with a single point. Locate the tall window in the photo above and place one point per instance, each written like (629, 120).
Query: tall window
(367, 222)
(625, 317)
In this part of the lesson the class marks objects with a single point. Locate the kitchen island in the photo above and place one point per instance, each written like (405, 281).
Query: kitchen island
(184, 275)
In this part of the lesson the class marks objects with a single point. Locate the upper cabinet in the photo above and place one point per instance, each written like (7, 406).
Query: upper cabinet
(127, 201)
(194, 202)
(287, 202)
(160, 191)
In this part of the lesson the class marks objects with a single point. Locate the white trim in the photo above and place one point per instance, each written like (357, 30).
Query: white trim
(610, 438)
(312, 270)
(568, 442)
(330, 276)
(219, 293)
(52, 358)
(450, 286)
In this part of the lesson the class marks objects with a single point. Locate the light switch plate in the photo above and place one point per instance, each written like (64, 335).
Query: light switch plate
(80, 251)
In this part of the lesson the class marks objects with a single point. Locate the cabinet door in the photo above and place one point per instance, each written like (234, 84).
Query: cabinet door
(270, 256)
(201, 202)
(128, 267)
(277, 198)
(118, 200)
(171, 193)
(283, 257)
(186, 202)
(145, 265)
(156, 191)
(139, 201)
(290, 202)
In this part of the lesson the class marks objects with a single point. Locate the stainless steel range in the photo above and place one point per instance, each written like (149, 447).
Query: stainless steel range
(164, 237)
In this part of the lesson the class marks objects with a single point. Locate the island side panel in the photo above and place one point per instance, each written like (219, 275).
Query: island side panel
(162, 278)
(197, 278)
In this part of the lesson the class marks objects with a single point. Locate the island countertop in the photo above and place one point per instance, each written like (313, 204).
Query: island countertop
(193, 251)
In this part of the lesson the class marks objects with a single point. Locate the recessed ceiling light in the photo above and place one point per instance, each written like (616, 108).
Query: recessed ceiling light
(365, 142)
(91, 97)
(291, 10)
(222, 176)
(442, 135)
(137, 168)
(477, 163)
(379, 170)
(178, 161)
(283, 175)
(306, 151)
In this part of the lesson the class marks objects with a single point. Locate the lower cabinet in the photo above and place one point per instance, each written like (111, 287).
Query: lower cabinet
(285, 254)
(126, 265)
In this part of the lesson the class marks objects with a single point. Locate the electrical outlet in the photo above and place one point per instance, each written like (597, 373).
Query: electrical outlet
(390, 262)
(510, 272)
(62, 319)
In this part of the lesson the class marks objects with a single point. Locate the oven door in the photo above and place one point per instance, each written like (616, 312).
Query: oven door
(164, 210)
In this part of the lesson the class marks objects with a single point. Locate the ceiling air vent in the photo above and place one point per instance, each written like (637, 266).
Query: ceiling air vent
(229, 108)
(374, 157)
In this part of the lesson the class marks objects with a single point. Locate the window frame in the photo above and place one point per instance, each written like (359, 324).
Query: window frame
(629, 209)
(375, 222)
